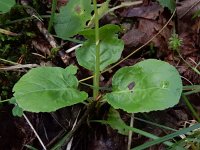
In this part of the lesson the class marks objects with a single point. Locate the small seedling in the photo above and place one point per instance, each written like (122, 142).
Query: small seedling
(175, 42)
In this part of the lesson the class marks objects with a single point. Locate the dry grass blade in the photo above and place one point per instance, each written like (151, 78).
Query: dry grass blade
(9, 68)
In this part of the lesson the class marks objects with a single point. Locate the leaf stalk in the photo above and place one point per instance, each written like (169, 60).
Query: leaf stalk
(97, 60)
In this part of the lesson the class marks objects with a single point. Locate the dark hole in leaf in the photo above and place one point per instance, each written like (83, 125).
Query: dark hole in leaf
(131, 85)
(92, 12)
(87, 22)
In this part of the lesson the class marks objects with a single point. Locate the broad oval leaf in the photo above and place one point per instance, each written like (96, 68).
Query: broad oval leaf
(5, 5)
(110, 48)
(147, 86)
(110, 52)
(47, 89)
(72, 18)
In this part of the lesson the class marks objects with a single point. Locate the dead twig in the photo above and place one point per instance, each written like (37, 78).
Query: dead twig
(9, 68)
(36, 134)
(42, 29)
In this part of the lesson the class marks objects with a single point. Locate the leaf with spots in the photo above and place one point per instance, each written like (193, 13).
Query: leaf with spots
(72, 18)
(147, 86)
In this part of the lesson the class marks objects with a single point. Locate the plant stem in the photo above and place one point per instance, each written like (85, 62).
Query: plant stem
(53, 10)
(97, 61)
(194, 113)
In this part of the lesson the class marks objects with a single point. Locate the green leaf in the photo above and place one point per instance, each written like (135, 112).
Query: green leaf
(110, 48)
(170, 4)
(17, 111)
(147, 86)
(30, 147)
(115, 121)
(5, 5)
(106, 31)
(196, 14)
(72, 18)
(101, 12)
(47, 89)
(12, 100)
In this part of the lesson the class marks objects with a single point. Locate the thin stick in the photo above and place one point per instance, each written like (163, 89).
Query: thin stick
(130, 133)
(193, 5)
(124, 4)
(53, 10)
(6, 32)
(73, 48)
(36, 134)
(19, 67)
(69, 145)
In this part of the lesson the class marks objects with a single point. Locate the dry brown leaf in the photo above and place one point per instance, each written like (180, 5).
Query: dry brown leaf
(151, 11)
(150, 28)
(188, 46)
(41, 45)
(185, 12)
(134, 38)
(151, 20)
(187, 8)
